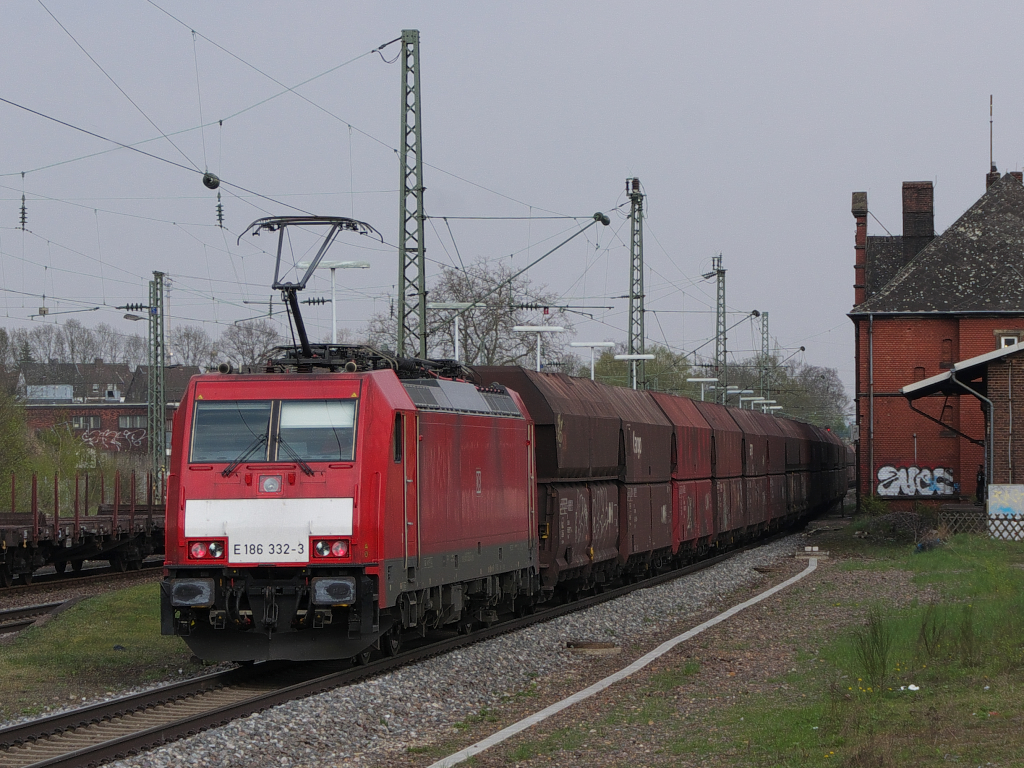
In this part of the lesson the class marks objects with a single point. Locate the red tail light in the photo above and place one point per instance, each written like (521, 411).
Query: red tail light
(330, 548)
(206, 550)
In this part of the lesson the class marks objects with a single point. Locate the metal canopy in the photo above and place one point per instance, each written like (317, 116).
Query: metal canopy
(966, 370)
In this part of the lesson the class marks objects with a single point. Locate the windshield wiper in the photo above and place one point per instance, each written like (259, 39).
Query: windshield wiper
(261, 440)
(294, 456)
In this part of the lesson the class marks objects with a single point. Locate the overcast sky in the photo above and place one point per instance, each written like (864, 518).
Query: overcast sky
(748, 124)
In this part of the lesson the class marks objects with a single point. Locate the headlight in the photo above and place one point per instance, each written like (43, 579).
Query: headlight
(270, 483)
(334, 590)
(195, 593)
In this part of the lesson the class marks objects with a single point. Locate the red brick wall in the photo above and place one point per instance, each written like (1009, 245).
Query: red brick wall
(110, 437)
(1006, 391)
(902, 348)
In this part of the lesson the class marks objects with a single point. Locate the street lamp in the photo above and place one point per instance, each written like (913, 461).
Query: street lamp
(592, 345)
(452, 305)
(333, 265)
(751, 400)
(702, 382)
(538, 329)
(632, 364)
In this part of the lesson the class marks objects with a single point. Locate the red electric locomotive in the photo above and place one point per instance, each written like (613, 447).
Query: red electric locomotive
(312, 514)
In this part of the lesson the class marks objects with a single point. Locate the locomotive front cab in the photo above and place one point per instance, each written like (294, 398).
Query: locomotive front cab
(266, 558)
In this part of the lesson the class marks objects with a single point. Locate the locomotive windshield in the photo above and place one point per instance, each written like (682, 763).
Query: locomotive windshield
(225, 429)
(319, 430)
(273, 430)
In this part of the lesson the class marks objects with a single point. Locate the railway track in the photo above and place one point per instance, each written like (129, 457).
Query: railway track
(17, 619)
(113, 730)
(48, 582)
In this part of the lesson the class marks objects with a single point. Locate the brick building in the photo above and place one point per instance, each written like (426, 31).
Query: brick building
(103, 404)
(922, 303)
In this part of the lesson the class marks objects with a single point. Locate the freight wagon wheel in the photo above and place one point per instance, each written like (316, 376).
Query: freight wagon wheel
(391, 643)
(6, 577)
(118, 563)
(26, 578)
(76, 565)
(60, 566)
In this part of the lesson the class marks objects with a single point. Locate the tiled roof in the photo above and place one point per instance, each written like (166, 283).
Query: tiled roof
(977, 265)
(82, 376)
(176, 378)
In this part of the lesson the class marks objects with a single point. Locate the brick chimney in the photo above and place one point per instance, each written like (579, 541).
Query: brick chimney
(918, 217)
(1018, 175)
(859, 208)
(991, 177)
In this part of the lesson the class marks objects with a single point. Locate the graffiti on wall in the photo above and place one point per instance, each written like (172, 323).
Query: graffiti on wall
(915, 481)
(114, 439)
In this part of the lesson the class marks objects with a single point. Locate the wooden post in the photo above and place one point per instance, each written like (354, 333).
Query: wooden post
(56, 507)
(35, 509)
(117, 497)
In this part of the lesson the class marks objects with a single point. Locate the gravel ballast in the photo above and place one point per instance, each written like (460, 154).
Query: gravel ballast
(378, 721)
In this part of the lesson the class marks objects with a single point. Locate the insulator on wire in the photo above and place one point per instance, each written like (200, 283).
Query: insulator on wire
(24, 213)
(220, 212)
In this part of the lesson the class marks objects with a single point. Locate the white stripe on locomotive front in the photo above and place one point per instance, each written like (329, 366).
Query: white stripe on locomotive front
(253, 525)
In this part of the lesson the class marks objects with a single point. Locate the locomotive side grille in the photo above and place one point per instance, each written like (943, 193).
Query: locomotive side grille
(459, 397)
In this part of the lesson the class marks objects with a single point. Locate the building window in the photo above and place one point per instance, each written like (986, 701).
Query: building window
(1008, 340)
(947, 354)
(85, 422)
(131, 422)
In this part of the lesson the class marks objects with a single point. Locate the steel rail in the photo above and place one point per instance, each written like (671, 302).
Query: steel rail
(17, 619)
(50, 581)
(32, 736)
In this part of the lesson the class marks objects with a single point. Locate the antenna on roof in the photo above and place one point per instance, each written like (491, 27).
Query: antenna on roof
(991, 162)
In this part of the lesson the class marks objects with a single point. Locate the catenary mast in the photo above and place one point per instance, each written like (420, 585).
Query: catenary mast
(412, 280)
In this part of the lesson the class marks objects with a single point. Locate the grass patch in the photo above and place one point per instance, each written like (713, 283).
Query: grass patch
(101, 645)
(564, 739)
(924, 685)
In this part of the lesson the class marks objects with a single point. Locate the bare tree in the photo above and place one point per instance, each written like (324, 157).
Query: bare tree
(136, 351)
(78, 343)
(7, 350)
(110, 343)
(45, 344)
(192, 345)
(248, 342)
(486, 335)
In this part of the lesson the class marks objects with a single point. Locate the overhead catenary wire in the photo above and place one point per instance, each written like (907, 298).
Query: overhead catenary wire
(124, 93)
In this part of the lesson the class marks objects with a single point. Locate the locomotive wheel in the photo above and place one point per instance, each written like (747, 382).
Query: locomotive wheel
(465, 627)
(362, 659)
(391, 643)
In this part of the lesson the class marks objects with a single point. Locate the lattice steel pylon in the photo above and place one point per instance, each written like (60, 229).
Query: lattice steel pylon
(766, 383)
(412, 279)
(721, 367)
(636, 280)
(156, 394)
